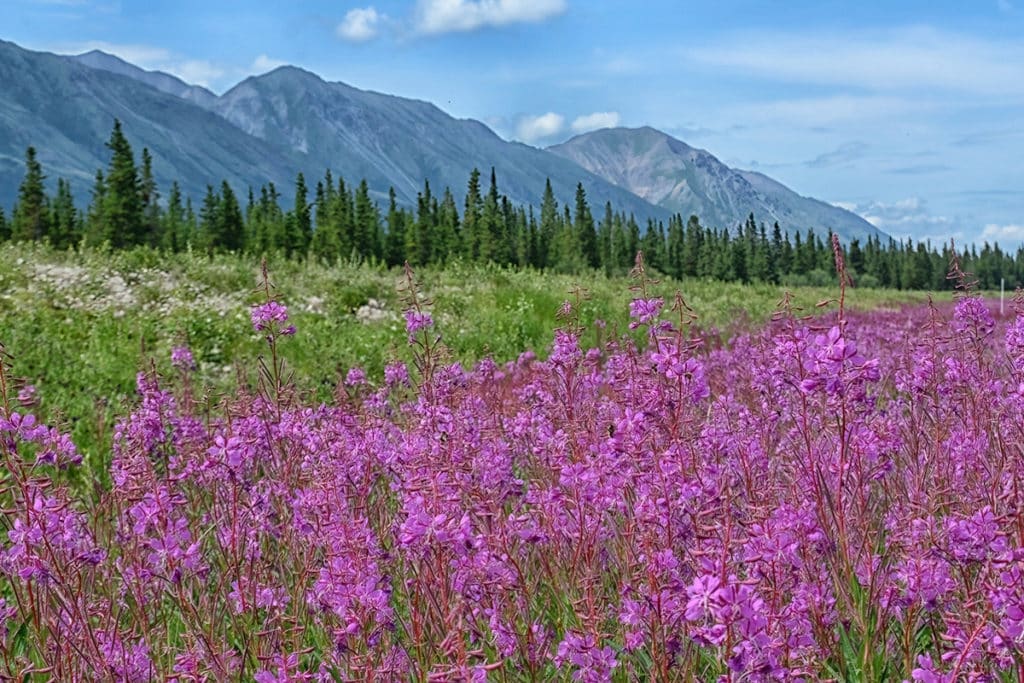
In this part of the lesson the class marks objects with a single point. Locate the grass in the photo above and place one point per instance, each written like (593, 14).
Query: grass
(79, 325)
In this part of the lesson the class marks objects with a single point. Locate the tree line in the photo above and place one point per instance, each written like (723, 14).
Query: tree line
(337, 221)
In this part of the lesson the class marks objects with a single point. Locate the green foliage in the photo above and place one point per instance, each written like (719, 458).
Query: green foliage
(31, 214)
(122, 203)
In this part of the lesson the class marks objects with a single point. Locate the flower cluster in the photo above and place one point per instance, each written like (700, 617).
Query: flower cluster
(271, 317)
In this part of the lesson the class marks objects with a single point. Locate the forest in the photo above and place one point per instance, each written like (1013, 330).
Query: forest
(337, 220)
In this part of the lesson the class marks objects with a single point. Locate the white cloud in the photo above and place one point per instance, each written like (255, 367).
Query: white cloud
(195, 71)
(848, 206)
(360, 24)
(910, 217)
(152, 58)
(1011, 232)
(531, 129)
(263, 64)
(595, 121)
(444, 16)
(894, 60)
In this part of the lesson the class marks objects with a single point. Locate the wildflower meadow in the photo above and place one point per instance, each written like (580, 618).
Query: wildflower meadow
(829, 497)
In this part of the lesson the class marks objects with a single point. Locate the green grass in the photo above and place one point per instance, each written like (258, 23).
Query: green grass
(80, 325)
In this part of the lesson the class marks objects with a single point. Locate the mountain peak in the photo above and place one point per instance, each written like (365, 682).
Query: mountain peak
(164, 82)
(672, 174)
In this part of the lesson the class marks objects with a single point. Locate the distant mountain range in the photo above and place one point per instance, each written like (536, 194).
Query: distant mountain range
(668, 172)
(269, 127)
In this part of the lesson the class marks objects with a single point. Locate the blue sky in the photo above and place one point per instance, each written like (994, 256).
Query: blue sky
(910, 113)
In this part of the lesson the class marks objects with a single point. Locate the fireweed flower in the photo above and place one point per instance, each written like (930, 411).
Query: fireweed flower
(592, 664)
(416, 321)
(27, 396)
(644, 311)
(271, 317)
(181, 358)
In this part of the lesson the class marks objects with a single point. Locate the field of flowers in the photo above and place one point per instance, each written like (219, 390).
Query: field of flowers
(830, 498)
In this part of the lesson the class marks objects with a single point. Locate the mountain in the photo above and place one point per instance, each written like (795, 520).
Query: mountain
(267, 128)
(163, 82)
(668, 172)
(395, 141)
(66, 110)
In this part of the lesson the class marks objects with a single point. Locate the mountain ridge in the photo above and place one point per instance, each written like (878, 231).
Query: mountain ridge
(683, 179)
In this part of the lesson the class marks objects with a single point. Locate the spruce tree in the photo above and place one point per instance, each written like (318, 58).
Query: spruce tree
(491, 224)
(299, 229)
(31, 220)
(471, 217)
(367, 224)
(394, 252)
(447, 242)
(5, 229)
(97, 229)
(150, 198)
(122, 207)
(173, 221)
(64, 226)
(674, 247)
(418, 240)
(604, 239)
(584, 226)
(209, 220)
(549, 227)
(231, 225)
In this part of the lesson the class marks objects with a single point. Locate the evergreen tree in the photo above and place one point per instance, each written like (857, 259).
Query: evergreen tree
(675, 246)
(122, 207)
(367, 224)
(97, 230)
(326, 242)
(231, 225)
(491, 226)
(692, 247)
(549, 227)
(64, 227)
(471, 218)
(150, 198)
(855, 258)
(209, 220)
(394, 243)
(31, 219)
(584, 227)
(447, 243)
(418, 240)
(173, 221)
(5, 229)
(299, 228)
(604, 239)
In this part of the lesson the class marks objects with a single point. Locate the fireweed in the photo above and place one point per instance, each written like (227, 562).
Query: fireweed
(835, 497)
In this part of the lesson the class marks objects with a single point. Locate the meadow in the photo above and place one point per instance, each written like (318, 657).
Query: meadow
(720, 488)
(81, 324)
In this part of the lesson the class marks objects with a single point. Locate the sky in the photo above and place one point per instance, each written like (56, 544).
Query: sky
(910, 113)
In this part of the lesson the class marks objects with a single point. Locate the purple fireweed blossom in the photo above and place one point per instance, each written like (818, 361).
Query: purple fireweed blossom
(592, 664)
(416, 321)
(644, 311)
(271, 317)
(27, 396)
(355, 377)
(396, 374)
(181, 358)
